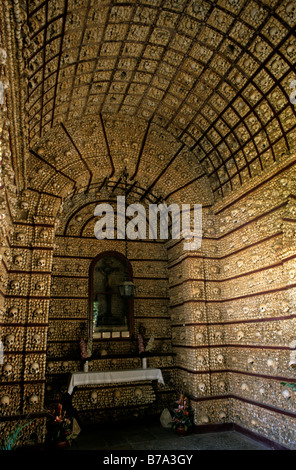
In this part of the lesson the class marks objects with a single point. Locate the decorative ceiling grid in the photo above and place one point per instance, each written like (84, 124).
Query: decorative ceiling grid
(214, 74)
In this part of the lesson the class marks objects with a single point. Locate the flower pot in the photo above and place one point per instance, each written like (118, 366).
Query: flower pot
(61, 445)
(181, 430)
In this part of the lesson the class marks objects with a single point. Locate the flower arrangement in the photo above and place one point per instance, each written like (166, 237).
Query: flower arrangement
(183, 414)
(85, 349)
(59, 426)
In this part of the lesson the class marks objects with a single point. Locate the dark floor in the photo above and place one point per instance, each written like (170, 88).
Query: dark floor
(152, 436)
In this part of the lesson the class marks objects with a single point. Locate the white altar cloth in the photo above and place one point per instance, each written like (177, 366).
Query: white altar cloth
(115, 376)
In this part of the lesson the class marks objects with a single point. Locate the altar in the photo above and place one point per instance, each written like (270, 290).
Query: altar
(113, 377)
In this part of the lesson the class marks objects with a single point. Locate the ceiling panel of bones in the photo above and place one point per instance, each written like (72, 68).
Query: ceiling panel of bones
(177, 90)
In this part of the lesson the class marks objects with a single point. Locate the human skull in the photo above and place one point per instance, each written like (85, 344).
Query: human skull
(202, 387)
(291, 10)
(292, 361)
(7, 370)
(138, 393)
(204, 419)
(196, 292)
(50, 366)
(36, 339)
(199, 337)
(292, 273)
(198, 313)
(50, 331)
(93, 397)
(220, 359)
(18, 260)
(64, 366)
(5, 401)
(286, 394)
(200, 360)
(41, 262)
(240, 335)
(40, 286)
(24, 205)
(66, 330)
(218, 335)
(37, 312)
(215, 269)
(50, 350)
(15, 285)
(222, 415)
(20, 236)
(222, 386)
(34, 399)
(9, 340)
(35, 368)
(270, 363)
(285, 306)
(244, 387)
(251, 361)
(117, 394)
(198, 8)
(12, 312)
(44, 234)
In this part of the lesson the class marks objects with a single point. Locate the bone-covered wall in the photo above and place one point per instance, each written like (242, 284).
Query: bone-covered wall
(69, 320)
(233, 311)
(222, 316)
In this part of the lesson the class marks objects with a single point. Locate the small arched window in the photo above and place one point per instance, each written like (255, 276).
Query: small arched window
(111, 315)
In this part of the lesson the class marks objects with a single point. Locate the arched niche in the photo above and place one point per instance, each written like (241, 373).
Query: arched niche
(110, 314)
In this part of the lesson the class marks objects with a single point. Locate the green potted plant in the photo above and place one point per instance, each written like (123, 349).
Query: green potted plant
(182, 415)
(10, 442)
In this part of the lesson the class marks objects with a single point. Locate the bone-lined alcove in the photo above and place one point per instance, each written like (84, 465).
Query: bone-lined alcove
(195, 101)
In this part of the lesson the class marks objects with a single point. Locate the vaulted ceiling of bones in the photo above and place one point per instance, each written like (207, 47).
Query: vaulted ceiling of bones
(105, 83)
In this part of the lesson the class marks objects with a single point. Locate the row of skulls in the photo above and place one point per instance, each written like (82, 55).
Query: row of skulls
(10, 340)
(5, 400)
(7, 369)
(13, 312)
(16, 286)
(18, 260)
(93, 396)
(43, 236)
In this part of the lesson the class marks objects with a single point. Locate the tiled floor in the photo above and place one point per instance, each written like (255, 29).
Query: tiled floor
(152, 436)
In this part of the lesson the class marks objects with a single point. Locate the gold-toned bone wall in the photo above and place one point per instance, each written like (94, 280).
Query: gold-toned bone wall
(233, 311)
(69, 320)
